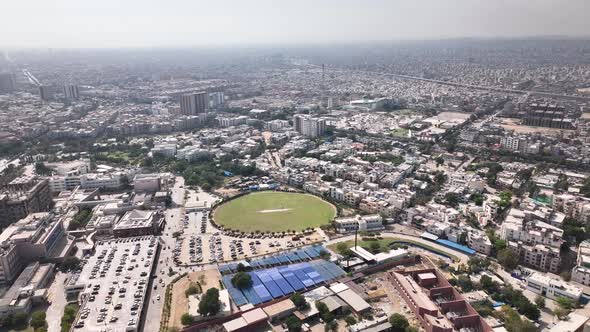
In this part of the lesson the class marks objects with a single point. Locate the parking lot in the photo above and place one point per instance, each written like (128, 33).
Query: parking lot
(202, 243)
(115, 281)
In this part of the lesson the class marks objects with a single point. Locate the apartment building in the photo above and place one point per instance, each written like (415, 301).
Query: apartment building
(581, 272)
(538, 243)
(22, 196)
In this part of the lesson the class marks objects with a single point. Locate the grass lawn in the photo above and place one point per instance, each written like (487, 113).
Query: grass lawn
(399, 132)
(386, 241)
(274, 212)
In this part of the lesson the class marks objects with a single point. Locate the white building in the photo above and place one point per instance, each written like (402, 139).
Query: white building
(362, 223)
(552, 288)
(581, 272)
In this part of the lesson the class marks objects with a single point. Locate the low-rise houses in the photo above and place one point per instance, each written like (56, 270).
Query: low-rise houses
(581, 272)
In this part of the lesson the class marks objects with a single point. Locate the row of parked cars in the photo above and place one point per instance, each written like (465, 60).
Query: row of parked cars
(216, 248)
(195, 249)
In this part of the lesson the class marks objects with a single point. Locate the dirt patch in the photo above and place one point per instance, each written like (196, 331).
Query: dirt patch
(207, 279)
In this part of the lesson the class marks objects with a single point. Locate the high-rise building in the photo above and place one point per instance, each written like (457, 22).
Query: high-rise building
(45, 92)
(194, 103)
(71, 91)
(7, 82)
(216, 99)
(309, 126)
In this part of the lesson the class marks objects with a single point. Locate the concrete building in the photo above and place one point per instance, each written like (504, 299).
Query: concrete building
(138, 223)
(552, 288)
(147, 182)
(23, 196)
(438, 306)
(7, 82)
(27, 290)
(34, 237)
(216, 99)
(362, 223)
(309, 126)
(71, 91)
(194, 103)
(46, 92)
(581, 272)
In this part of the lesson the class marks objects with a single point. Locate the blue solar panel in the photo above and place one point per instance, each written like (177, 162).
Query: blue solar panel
(293, 257)
(251, 295)
(324, 272)
(293, 281)
(272, 287)
(235, 293)
(303, 277)
(280, 281)
(301, 254)
(283, 259)
(311, 253)
(274, 260)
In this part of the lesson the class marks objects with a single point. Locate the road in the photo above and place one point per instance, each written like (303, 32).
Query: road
(57, 298)
(173, 215)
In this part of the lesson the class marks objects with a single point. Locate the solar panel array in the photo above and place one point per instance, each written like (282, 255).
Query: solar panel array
(296, 256)
(277, 282)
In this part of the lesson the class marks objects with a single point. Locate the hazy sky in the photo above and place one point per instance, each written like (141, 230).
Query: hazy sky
(115, 23)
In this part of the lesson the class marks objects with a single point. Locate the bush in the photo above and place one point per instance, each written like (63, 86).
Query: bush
(192, 289)
(187, 319)
(540, 301)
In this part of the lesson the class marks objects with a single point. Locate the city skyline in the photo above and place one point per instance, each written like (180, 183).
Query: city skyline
(69, 24)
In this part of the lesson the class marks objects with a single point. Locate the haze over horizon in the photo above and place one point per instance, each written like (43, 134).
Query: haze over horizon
(134, 23)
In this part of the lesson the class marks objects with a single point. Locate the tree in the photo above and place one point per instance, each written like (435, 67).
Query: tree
(331, 326)
(322, 307)
(327, 178)
(186, 319)
(540, 301)
(293, 324)
(465, 283)
(325, 254)
(566, 275)
(565, 303)
(70, 263)
(452, 199)
(241, 280)
(398, 322)
(299, 301)
(349, 320)
(508, 259)
(210, 304)
(38, 319)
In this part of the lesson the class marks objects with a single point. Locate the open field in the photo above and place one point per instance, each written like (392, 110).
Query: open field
(514, 124)
(274, 212)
